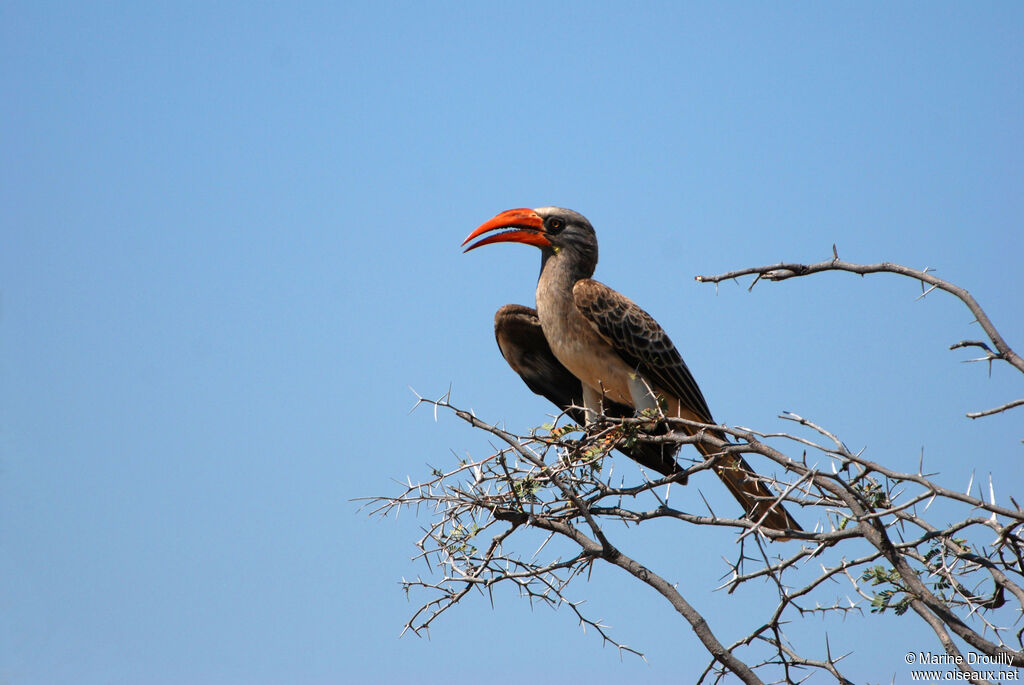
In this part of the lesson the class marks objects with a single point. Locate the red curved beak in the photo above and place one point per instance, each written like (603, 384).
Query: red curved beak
(525, 226)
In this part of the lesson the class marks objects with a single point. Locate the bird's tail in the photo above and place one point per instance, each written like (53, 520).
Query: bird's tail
(750, 490)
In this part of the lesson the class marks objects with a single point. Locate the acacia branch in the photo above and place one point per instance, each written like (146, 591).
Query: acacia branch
(995, 410)
(965, 585)
(784, 271)
(549, 482)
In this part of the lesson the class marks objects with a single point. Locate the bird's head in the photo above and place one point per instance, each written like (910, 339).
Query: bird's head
(554, 230)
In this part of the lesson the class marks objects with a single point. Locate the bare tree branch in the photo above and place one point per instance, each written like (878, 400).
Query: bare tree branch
(996, 410)
(870, 546)
(551, 481)
(784, 271)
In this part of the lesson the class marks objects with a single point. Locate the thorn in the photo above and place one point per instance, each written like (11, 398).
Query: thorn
(419, 399)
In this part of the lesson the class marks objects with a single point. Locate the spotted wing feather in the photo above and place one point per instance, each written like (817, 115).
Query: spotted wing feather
(641, 342)
(644, 345)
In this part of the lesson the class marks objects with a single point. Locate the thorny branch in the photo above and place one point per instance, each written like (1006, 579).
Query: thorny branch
(964, 579)
(1003, 352)
(866, 525)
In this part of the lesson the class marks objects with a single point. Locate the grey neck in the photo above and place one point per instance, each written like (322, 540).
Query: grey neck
(564, 267)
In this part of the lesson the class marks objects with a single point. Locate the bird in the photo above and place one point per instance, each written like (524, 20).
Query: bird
(523, 345)
(587, 345)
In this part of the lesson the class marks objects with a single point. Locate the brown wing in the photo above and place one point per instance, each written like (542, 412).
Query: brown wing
(641, 342)
(644, 345)
(522, 343)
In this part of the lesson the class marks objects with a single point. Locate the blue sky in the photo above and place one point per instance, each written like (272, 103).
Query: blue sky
(231, 244)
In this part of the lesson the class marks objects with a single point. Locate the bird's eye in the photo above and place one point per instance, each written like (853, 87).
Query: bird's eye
(555, 225)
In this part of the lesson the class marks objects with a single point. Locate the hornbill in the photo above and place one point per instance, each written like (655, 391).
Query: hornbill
(586, 342)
